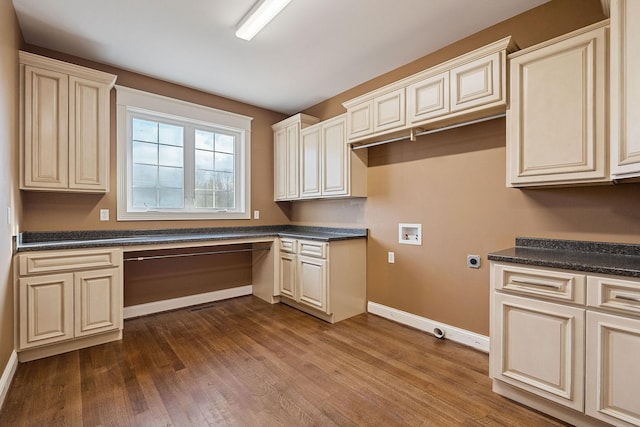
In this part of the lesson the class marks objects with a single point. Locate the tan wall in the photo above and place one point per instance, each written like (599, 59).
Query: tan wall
(453, 183)
(10, 41)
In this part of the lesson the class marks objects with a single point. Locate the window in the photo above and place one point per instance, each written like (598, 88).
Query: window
(178, 160)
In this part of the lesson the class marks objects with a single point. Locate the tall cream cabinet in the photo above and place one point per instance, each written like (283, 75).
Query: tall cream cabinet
(625, 89)
(67, 300)
(286, 147)
(567, 343)
(64, 114)
(324, 279)
(328, 166)
(557, 131)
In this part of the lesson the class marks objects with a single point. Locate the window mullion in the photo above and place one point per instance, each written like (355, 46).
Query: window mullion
(189, 168)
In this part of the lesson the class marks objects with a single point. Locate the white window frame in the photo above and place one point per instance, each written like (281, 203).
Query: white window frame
(135, 101)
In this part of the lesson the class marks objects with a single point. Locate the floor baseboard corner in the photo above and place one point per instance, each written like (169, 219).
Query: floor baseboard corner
(7, 376)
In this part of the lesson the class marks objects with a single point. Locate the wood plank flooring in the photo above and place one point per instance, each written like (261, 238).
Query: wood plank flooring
(243, 362)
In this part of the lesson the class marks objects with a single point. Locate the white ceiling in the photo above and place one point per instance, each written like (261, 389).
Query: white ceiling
(313, 50)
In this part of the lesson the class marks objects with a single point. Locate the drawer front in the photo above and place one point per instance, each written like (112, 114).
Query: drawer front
(621, 295)
(544, 283)
(288, 245)
(53, 261)
(313, 249)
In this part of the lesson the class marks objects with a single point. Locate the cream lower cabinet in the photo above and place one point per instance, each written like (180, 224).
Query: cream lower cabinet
(558, 112)
(65, 298)
(327, 280)
(65, 126)
(569, 340)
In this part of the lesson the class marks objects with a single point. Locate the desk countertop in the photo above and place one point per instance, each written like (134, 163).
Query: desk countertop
(38, 241)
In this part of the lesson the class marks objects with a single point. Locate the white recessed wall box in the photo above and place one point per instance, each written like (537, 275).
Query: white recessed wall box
(410, 234)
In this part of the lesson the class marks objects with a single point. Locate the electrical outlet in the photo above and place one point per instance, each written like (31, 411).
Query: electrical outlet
(256, 214)
(391, 257)
(473, 261)
(104, 214)
(8, 215)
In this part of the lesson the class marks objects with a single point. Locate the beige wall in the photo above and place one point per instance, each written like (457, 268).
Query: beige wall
(10, 41)
(453, 183)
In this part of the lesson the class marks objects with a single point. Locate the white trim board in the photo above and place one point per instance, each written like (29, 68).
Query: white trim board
(7, 376)
(175, 303)
(462, 336)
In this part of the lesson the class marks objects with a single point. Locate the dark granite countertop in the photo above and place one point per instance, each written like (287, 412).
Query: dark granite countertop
(43, 240)
(592, 257)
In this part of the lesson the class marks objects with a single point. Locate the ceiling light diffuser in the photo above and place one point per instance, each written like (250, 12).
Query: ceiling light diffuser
(260, 15)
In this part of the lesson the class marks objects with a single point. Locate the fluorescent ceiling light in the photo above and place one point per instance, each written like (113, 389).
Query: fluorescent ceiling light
(260, 15)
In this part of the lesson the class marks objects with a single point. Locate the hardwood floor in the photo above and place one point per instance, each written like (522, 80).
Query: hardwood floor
(245, 362)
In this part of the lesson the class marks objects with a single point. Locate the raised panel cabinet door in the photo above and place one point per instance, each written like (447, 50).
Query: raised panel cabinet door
(625, 88)
(335, 158)
(280, 164)
(98, 301)
(360, 120)
(539, 347)
(88, 135)
(556, 121)
(310, 153)
(293, 178)
(287, 280)
(389, 111)
(612, 369)
(46, 309)
(476, 83)
(428, 98)
(312, 283)
(46, 127)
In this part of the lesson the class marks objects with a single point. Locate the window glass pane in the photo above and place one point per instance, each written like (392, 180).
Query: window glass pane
(204, 160)
(145, 176)
(145, 130)
(144, 198)
(170, 134)
(224, 199)
(171, 198)
(204, 199)
(204, 140)
(144, 152)
(224, 162)
(224, 143)
(171, 177)
(170, 156)
(224, 181)
(204, 180)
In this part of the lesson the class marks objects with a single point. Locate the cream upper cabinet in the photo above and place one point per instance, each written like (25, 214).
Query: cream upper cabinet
(470, 86)
(65, 126)
(625, 89)
(310, 161)
(286, 146)
(556, 122)
(335, 158)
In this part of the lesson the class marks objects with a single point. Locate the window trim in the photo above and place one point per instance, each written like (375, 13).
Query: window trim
(134, 100)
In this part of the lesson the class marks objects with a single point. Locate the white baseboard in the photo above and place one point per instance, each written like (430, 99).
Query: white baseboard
(462, 336)
(7, 376)
(175, 303)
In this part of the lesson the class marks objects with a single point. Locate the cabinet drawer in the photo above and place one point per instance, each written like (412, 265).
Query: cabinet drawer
(544, 283)
(288, 245)
(53, 261)
(313, 249)
(622, 295)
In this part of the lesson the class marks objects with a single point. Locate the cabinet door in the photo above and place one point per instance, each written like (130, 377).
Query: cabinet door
(46, 309)
(310, 153)
(280, 164)
(88, 135)
(287, 280)
(539, 347)
(312, 283)
(476, 83)
(46, 127)
(556, 122)
(389, 111)
(360, 120)
(335, 159)
(612, 369)
(428, 98)
(293, 179)
(625, 89)
(98, 301)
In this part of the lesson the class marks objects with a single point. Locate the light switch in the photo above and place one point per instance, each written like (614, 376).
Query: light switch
(104, 214)
(391, 257)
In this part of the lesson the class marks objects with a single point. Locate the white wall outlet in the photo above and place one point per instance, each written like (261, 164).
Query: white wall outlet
(256, 214)
(473, 261)
(104, 214)
(391, 257)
